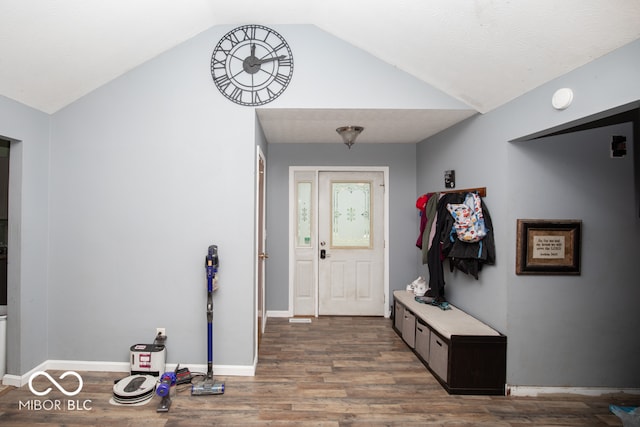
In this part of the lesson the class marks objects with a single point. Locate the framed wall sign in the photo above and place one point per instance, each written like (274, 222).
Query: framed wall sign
(548, 246)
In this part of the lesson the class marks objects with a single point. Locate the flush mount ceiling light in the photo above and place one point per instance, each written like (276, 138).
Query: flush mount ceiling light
(349, 134)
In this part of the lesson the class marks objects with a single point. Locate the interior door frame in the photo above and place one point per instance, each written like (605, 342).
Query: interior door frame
(292, 227)
(260, 314)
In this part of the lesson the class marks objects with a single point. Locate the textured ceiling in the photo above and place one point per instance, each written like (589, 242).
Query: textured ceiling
(381, 126)
(483, 53)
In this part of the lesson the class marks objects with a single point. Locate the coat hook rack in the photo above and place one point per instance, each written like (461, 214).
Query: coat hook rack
(482, 191)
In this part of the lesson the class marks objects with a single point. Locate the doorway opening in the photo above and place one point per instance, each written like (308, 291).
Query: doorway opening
(4, 222)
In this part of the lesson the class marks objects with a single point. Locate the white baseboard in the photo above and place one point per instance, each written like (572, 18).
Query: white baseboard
(20, 380)
(281, 313)
(89, 366)
(533, 391)
(123, 368)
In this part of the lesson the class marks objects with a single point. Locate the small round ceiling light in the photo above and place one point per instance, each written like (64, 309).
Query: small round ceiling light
(562, 98)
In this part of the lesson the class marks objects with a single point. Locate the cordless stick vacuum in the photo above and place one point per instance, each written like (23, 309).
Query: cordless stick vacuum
(209, 386)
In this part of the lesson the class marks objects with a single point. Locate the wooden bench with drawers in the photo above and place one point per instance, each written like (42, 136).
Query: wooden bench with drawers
(465, 355)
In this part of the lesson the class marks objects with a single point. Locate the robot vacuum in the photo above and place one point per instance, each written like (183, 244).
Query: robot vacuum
(134, 389)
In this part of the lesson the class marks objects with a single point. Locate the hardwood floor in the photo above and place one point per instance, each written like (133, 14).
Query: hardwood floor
(335, 371)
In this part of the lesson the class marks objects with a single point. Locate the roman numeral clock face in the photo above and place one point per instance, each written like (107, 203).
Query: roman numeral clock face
(252, 65)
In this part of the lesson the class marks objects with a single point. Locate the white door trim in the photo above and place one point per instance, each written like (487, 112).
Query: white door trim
(256, 269)
(292, 225)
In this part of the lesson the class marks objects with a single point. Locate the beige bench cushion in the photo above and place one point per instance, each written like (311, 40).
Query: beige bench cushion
(445, 322)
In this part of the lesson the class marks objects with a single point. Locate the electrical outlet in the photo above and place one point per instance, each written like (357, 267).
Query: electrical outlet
(161, 331)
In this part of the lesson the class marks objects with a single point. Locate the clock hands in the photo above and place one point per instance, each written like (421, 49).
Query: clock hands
(251, 63)
(275, 58)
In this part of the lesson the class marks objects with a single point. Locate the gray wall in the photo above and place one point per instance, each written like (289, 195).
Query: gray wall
(572, 331)
(120, 193)
(400, 158)
(588, 185)
(27, 279)
(124, 189)
(146, 173)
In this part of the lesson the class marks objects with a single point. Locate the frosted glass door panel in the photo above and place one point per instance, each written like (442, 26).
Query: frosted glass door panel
(350, 213)
(303, 235)
(303, 214)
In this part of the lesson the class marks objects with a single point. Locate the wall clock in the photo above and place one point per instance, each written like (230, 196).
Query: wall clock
(252, 65)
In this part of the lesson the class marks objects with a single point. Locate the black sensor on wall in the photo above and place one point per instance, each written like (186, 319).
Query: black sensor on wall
(450, 179)
(618, 146)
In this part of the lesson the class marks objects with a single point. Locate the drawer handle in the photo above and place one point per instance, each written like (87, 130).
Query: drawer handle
(439, 343)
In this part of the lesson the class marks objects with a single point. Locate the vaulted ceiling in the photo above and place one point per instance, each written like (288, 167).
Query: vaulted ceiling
(481, 52)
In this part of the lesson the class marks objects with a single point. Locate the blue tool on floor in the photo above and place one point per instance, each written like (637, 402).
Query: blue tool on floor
(163, 389)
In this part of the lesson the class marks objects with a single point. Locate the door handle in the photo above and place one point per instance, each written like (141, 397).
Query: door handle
(263, 255)
(323, 253)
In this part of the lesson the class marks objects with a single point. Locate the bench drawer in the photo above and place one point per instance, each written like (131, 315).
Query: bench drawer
(398, 316)
(423, 336)
(439, 356)
(409, 328)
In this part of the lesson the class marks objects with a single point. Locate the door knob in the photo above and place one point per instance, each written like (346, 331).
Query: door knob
(263, 255)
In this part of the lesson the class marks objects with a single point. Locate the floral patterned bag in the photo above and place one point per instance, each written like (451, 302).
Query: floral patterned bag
(469, 221)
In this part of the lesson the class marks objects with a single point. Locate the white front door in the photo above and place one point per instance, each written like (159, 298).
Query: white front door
(351, 243)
